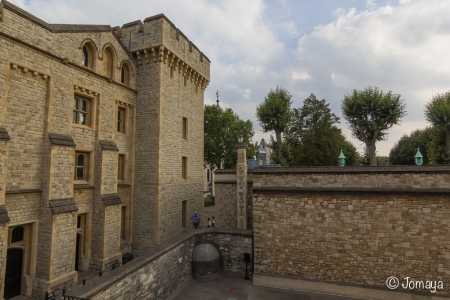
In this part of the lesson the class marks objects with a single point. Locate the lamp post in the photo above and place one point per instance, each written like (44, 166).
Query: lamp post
(341, 159)
(195, 220)
(418, 158)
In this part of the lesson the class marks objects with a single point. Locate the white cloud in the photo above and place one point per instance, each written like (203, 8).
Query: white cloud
(300, 75)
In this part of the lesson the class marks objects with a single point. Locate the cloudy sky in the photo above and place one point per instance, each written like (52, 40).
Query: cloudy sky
(324, 47)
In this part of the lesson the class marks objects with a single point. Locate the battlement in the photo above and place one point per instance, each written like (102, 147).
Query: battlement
(157, 39)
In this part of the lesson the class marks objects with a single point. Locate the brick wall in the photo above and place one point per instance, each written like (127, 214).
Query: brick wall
(359, 231)
(159, 273)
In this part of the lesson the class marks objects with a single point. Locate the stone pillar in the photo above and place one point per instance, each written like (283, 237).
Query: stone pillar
(241, 186)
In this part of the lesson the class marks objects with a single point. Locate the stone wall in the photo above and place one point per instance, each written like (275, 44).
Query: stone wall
(165, 268)
(225, 199)
(232, 244)
(359, 229)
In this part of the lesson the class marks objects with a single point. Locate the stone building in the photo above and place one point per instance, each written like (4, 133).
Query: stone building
(101, 137)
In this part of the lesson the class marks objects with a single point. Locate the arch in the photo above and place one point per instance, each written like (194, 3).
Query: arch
(88, 51)
(109, 60)
(126, 73)
(17, 234)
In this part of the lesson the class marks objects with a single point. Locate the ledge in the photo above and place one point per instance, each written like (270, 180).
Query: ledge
(4, 214)
(354, 170)
(60, 206)
(4, 134)
(123, 184)
(108, 145)
(28, 191)
(83, 187)
(337, 190)
(225, 181)
(111, 199)
(61, 139)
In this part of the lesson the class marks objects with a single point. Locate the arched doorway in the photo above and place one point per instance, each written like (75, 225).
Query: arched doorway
(13, 275)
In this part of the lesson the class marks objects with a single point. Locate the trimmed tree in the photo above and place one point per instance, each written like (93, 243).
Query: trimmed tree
(370, 114)
(274, 114)
(437, 112)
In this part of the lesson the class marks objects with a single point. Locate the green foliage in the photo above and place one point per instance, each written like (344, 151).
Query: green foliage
(370, 113)
(437, 112)
(352, 157)
(223, 129)
(287, 150)
(436, 151)
(275, 113)
(313, 139)
(405, 149)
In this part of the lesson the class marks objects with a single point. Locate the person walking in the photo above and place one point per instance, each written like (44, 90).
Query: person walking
(213, 222)
(209, 222)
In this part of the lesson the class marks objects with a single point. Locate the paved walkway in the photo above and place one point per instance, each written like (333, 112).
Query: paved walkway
(233, 286)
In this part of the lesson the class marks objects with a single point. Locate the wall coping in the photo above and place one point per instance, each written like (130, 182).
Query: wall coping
(340, 190)
(225, 171)
(354, 170)
(112, 277)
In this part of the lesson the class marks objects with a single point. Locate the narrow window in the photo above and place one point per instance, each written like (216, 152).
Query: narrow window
(184, 130)
(184, 167)
(184, 214)
(185, 80)
(85, 57)
(123, 220)
(121, 119)
(207, 175)
(108, 62)
(121, 168)
(126, 74)
(80, 111)
(81, 166)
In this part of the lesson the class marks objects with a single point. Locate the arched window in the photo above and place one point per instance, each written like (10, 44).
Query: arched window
(108, 62)
(18, 234)
(88, 55)
(81, 166)
(125, 77)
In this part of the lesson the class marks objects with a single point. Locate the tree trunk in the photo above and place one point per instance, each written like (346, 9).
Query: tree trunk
(279, 147)
(372, 153)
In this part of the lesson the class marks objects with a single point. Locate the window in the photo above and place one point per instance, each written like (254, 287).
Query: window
(184, 214)
(81, 166)
(80, 113)
(123, 222)
(121, 168)
(125, 76)
(207, 175)
(108, 62)
(121, 119)
(184, 167)
(184, 130)
(87, 55)
(18, 234)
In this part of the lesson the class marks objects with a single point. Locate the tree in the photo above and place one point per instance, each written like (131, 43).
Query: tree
(223, 129)
(314, 135)
(370, 113)
(436, 148)
(405, 149)
(274, 114)
(437, 112)
(287, 150)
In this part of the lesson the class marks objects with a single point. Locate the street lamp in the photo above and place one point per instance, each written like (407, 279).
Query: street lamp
(419, 158)
(341, 159)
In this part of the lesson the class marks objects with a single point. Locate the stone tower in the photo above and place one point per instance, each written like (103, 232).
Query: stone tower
(172, 75)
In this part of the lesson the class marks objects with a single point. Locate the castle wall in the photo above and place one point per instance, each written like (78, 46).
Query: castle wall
(159, 272)
(356, 226)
